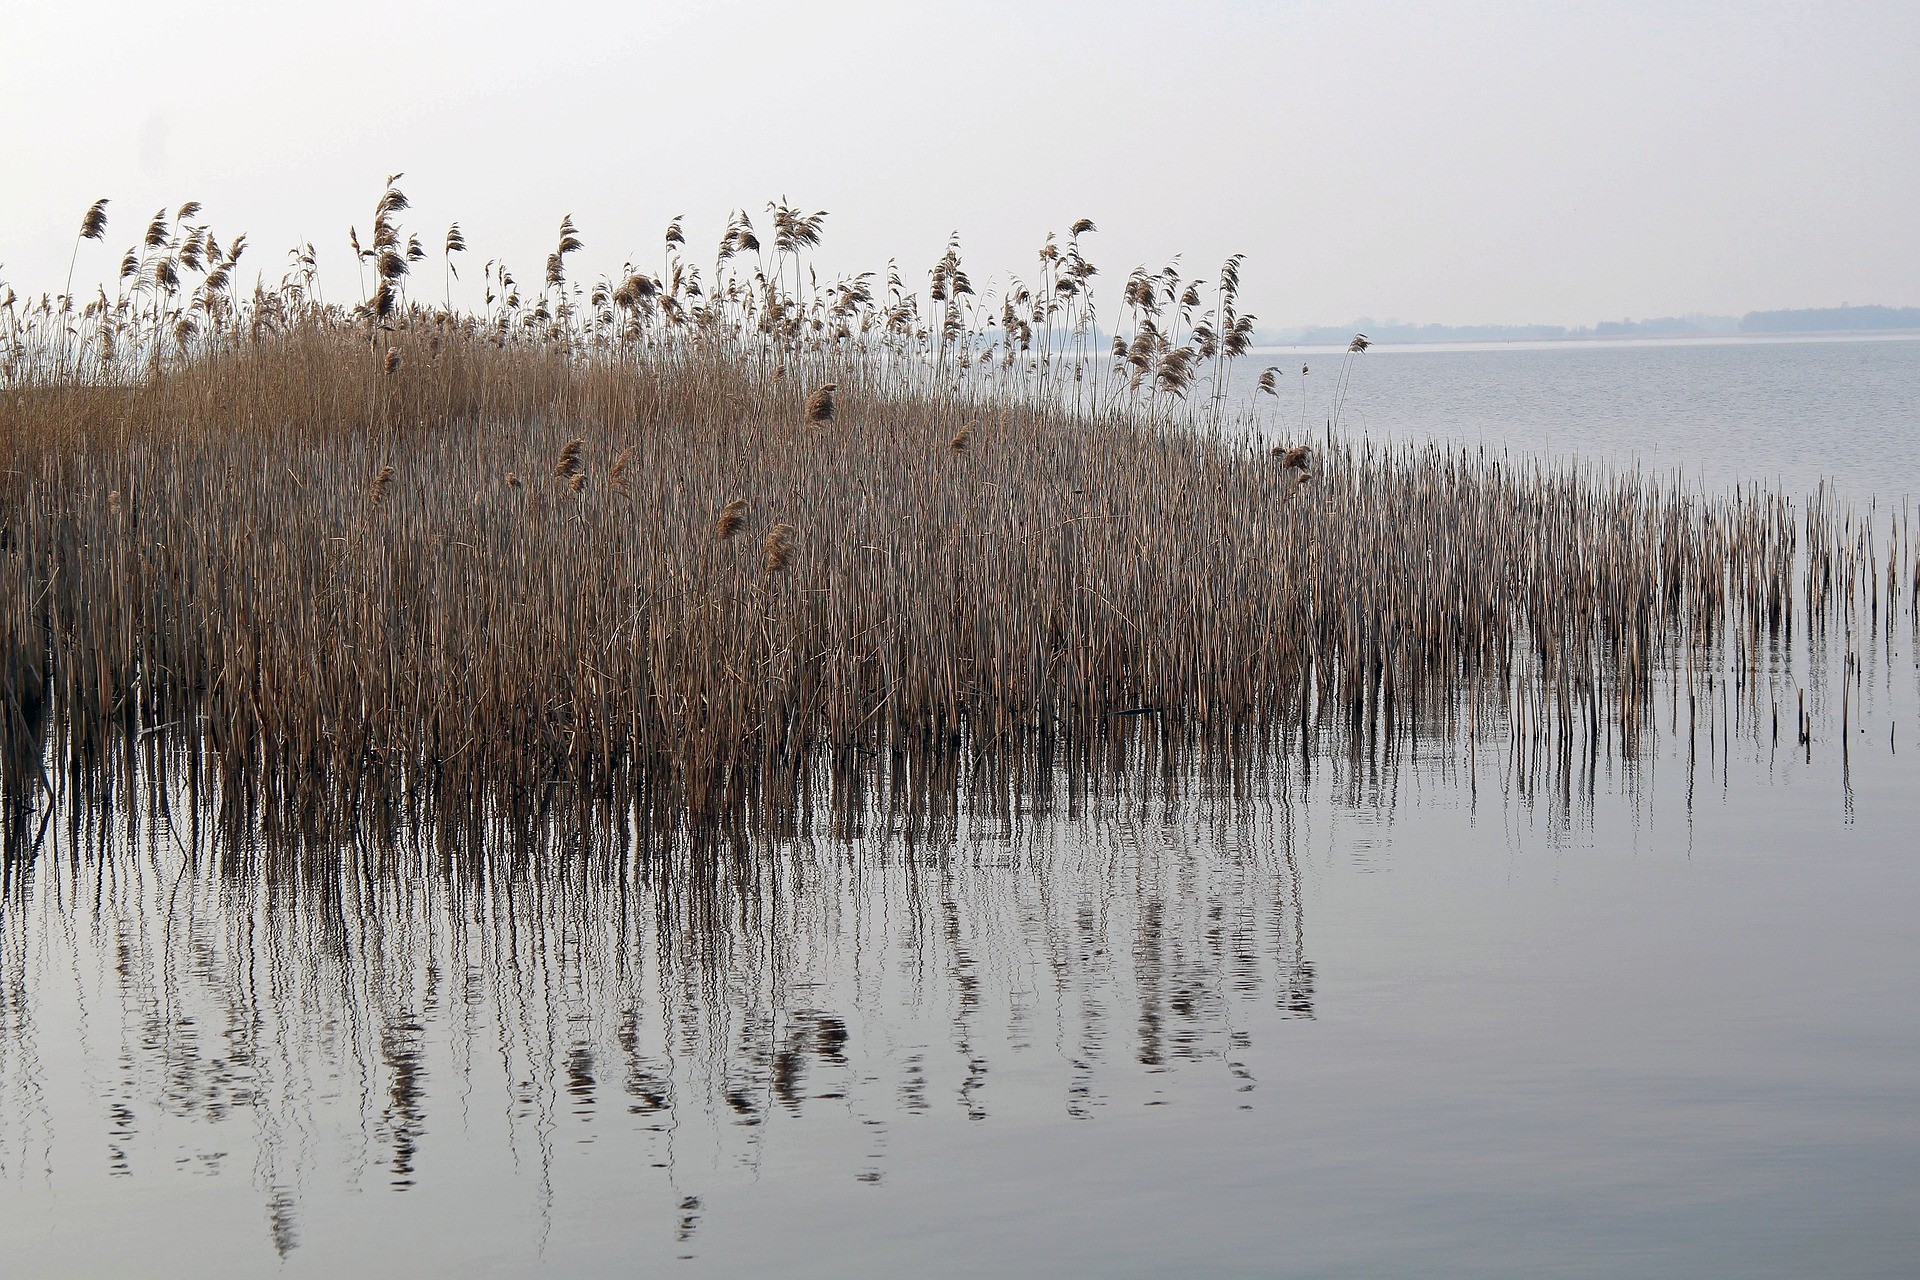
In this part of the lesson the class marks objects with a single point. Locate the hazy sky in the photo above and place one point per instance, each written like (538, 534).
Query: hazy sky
(1550, 162)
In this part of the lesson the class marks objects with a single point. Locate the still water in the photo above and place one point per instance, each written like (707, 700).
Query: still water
(1412, 1019)
(1789, 412)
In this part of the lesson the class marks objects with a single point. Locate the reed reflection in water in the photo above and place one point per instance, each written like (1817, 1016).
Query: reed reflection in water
(870, 1032)
(375, 1019)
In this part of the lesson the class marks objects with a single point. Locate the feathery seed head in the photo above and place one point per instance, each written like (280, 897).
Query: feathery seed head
(568, 464)
(778, 547)
(94, 225)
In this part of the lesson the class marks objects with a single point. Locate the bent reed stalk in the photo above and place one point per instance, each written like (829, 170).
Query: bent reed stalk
(333, 556)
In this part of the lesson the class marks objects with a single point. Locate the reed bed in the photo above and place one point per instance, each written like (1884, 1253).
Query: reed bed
(669, 547)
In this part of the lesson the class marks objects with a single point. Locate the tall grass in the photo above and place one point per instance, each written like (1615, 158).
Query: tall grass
(621, 539)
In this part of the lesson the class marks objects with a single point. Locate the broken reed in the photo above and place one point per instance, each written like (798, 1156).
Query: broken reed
(326, 554)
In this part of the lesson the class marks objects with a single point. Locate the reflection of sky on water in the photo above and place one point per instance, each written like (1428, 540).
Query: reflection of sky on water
(1660, 1019)
(306, 1027)
(1788, 412)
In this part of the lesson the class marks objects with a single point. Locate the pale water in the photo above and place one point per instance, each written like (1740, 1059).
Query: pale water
(1412, 1020)
(1790, 412)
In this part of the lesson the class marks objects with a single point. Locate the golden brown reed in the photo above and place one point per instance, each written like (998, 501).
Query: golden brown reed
(1090, 564)
(568, 466)
(778, 547)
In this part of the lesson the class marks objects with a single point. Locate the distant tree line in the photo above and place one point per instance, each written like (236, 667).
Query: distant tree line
(1830, 319)
(1805, 320)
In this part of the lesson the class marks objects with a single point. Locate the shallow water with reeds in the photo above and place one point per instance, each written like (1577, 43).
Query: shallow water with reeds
(1494, 1008)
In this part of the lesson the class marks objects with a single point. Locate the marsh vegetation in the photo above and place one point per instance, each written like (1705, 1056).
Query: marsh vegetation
(680, 543)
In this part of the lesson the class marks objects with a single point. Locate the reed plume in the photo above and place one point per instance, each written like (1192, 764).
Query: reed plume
(94, 225)
(568, 465)
(778, 548)
(820, 404)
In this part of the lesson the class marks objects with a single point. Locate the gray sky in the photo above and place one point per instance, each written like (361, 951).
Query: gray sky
(1548, 162)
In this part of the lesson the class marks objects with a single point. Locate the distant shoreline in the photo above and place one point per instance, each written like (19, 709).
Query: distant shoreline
(1803, 321)
(1595, 341)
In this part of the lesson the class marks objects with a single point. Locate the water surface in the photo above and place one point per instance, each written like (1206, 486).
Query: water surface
(1784, 411)
(1435, 1015)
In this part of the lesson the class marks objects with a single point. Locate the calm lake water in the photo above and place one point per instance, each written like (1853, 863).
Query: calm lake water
(1355, 1020)
(1786, 411)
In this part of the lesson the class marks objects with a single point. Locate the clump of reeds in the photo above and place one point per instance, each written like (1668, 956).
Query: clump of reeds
(1093, 561)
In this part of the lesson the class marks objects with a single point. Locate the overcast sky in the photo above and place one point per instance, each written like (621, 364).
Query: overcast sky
(1547, 162)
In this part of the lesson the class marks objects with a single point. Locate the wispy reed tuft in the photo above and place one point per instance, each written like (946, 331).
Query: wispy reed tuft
(778, 548)
(820, 404)
(568, 465)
